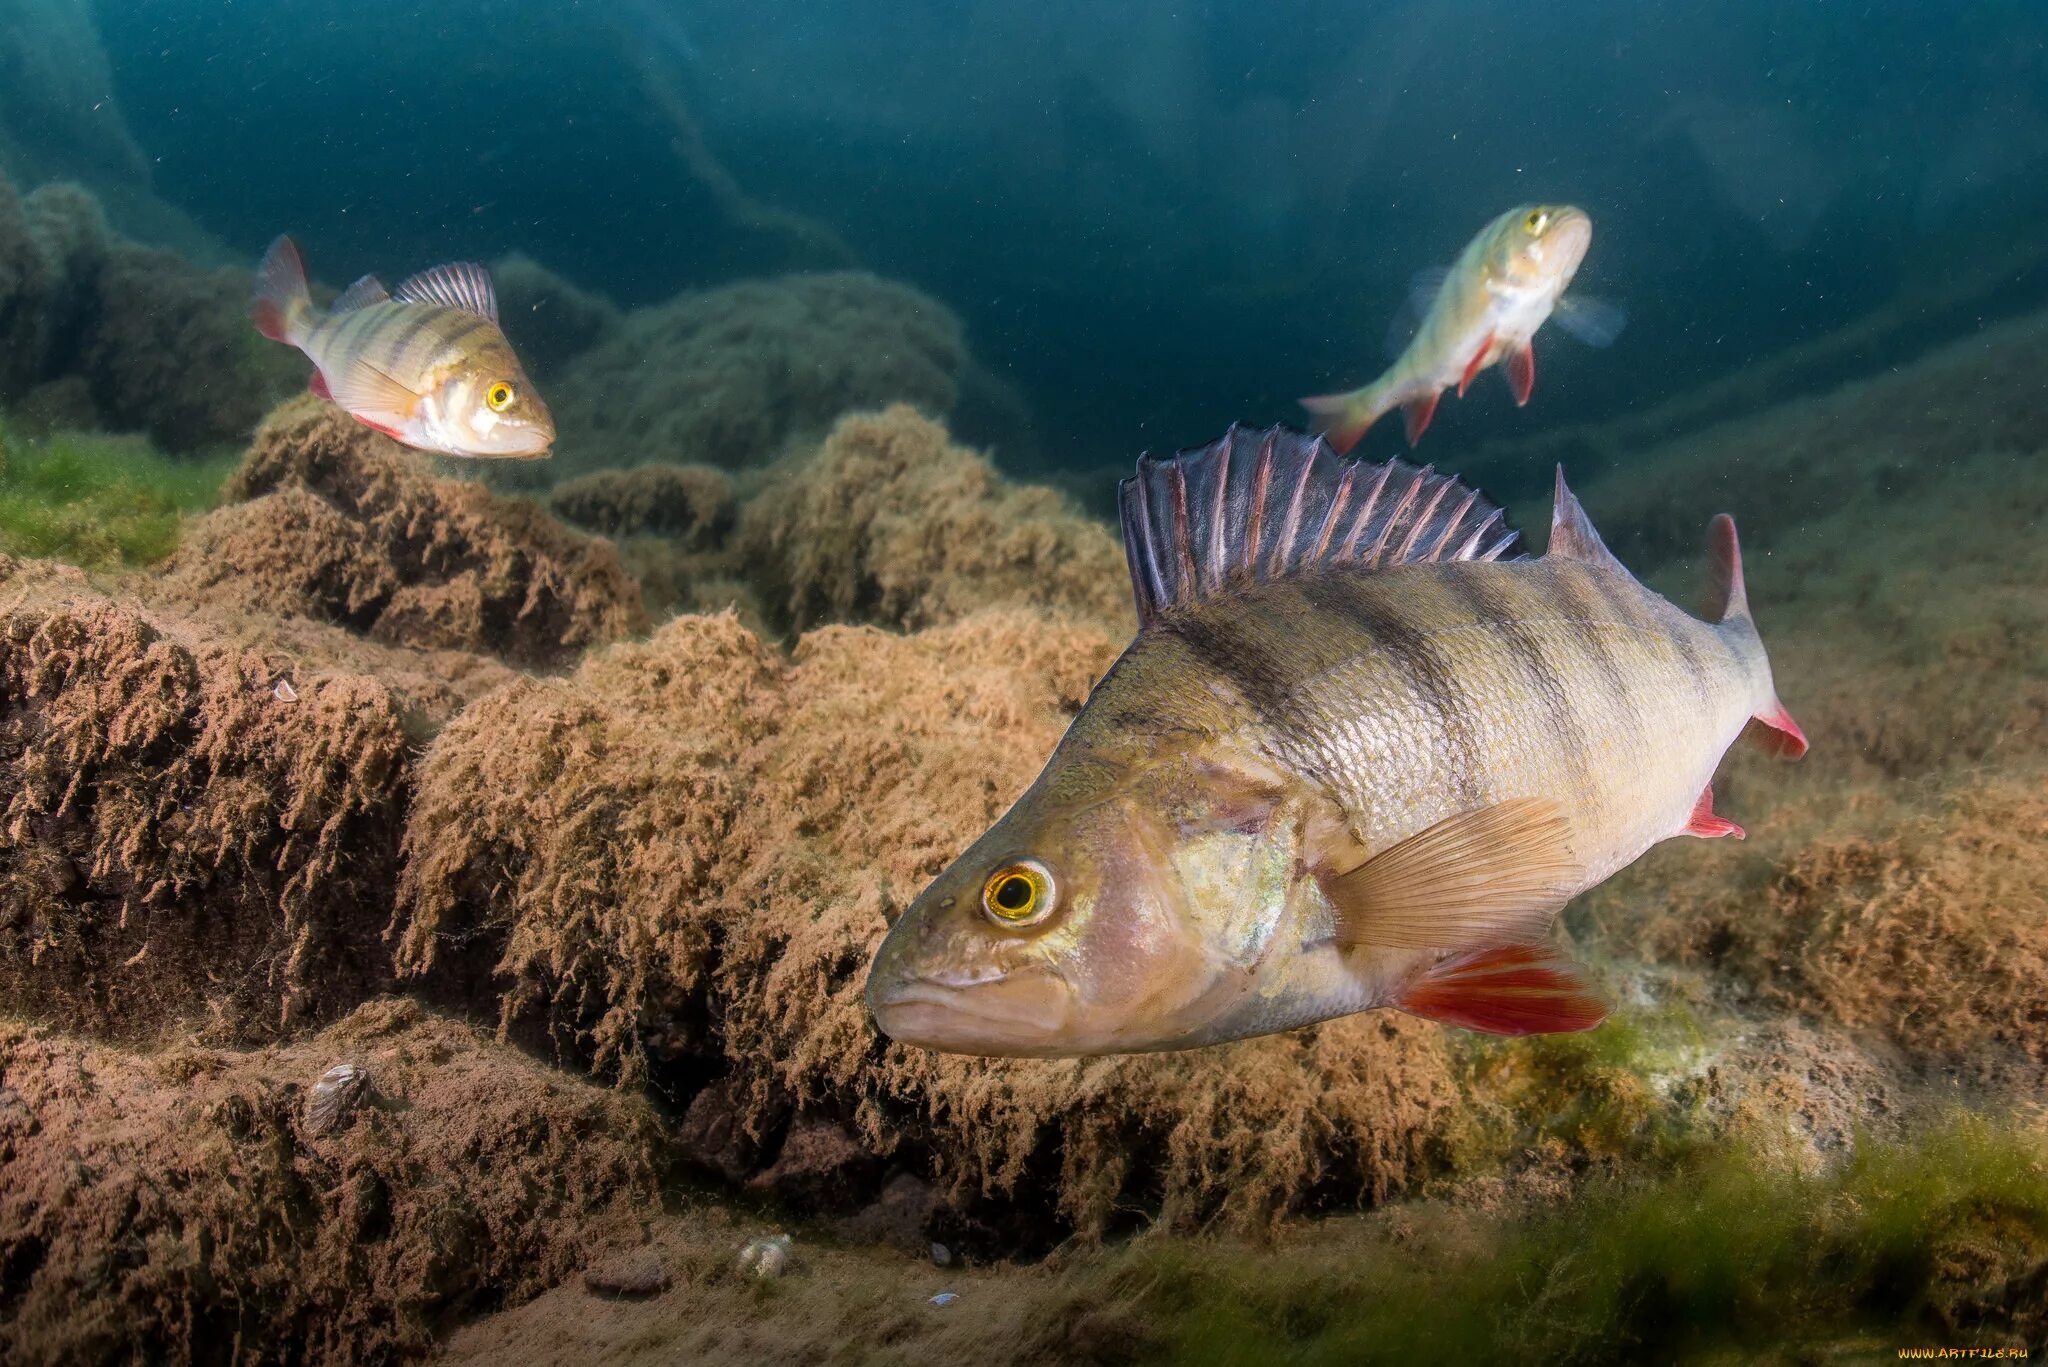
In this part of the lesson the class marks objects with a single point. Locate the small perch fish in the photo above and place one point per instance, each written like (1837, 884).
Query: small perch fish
(1359, 755)
(1484, 311)
(425, 364)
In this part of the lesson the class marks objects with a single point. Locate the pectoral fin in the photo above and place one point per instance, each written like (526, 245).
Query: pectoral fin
(1484, 878)
(371, 394)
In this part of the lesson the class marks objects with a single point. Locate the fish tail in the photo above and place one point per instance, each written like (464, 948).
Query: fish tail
(1344, 418)
(1727, 606)
(282, 308)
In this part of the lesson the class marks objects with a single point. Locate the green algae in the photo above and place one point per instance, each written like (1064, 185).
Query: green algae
(1729, 1254)
(98, 501)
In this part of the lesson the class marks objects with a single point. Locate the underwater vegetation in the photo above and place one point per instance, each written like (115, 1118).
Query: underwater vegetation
(96, 501)
(665, 861)
(435, 903)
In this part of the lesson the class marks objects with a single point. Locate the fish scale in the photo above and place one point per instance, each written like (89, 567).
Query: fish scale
(1360, 753)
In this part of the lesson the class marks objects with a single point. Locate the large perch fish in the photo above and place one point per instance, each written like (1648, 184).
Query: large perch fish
(1360, 754)
(1484, 311)
(425, 364)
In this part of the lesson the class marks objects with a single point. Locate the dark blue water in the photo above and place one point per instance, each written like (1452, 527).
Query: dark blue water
(1154, 217)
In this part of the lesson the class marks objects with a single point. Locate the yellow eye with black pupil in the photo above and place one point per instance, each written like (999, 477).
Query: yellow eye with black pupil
(1018, 894)
(1536, 221)
(499, 397)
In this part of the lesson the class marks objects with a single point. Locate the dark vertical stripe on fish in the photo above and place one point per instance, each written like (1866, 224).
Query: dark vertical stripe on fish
(1361, 599)
(342, 337)
(394, 346)
(1242, 658)
(1493, 605)
(1581, 592)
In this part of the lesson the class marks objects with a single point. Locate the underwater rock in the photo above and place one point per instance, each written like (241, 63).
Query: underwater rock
(178, 843)
(24, 287)
(169, 353)
(890, 522)
(731, 831)
(628, 1276)
(713, 1135)
(900, 1217)
(690, 505)
(162, 345)
(548, 320)
(167, 1192)
(820, 1167)
(337, 523)
(728, 376)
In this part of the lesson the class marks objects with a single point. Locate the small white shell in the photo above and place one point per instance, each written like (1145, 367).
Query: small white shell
(768, 1257)
(335, 1097)
(283, 691)
(944, 1299)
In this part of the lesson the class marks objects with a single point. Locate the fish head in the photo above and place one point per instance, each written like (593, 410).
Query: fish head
(1114, 924)
(1540, 246)
(490, 409)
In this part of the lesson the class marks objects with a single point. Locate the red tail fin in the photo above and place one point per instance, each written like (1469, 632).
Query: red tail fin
(1342, 418)
(282, 303)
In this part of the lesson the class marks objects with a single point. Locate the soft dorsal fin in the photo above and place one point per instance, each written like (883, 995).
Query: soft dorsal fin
(1571, 532)
(365, 292)
(463, 285)
(1267, 505)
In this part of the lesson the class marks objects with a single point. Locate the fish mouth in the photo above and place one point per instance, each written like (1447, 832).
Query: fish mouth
(1019, 1015)
(1564, 246)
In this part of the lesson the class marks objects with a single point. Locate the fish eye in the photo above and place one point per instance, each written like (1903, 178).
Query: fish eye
(1537, 221)
(499, 396)
(1019, 894)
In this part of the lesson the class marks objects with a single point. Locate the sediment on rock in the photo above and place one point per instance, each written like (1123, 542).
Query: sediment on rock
(731, 833)
(180, 841)
(185, 1198)
(332, 521)
(729, 376)
(891, 522)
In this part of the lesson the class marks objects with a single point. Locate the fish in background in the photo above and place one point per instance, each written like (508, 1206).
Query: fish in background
(1485, 310)
(425, 364)
(1359, 755)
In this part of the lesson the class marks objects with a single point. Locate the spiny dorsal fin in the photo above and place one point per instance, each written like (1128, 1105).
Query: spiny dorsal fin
(1571, 532)
(463, 285)
(365, 292)
(1267, 505)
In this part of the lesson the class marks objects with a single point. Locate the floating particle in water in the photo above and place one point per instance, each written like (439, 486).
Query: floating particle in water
(335, 1097)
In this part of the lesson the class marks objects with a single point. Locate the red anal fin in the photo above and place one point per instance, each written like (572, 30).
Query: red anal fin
(1513, 990)
(1416, 414)
(1473, 366)
(390, 432)
(1778, 733)
(317, 386)
(1522, 373)
(1704, 824)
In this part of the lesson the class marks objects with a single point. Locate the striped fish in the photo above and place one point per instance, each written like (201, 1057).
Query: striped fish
(1361, 752)
(1485, 310)
(425, 364)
